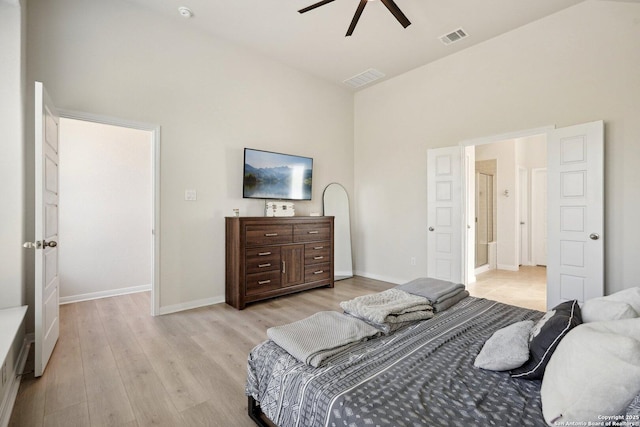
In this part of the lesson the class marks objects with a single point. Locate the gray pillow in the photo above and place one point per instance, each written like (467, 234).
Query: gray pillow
(507, 348)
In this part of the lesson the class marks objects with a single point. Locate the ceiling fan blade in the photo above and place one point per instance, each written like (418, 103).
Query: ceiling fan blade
(356, 17)
(313, 6)
(395, 10)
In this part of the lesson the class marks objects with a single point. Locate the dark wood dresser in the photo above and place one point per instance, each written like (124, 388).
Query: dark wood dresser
(268, 257)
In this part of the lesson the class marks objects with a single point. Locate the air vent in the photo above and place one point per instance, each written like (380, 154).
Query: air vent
(453, 37)
(364, 78)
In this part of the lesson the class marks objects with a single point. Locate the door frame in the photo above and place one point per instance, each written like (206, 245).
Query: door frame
(524, 209)
(468, 183)
(155, 191)
(536, 216)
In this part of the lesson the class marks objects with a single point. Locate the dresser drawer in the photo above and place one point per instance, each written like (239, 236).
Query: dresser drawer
(262, 282)
(316, 272)
(263, 259)
(260, 235)
(311, 232)
(317, 253)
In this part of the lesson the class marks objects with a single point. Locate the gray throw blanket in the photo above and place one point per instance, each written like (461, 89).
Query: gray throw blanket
(390, 306)
(314, 339)
(435, 290)
(451, 301)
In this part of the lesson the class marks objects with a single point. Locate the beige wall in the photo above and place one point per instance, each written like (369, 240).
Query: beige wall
(579, 65)
(504, 153)
(11, 159)
(12, 284)
(211, 99)
(105, 210)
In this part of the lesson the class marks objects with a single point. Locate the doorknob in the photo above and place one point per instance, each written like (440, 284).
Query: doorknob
(32, 245)
(51, 244)
(431, 228)
(594, 236)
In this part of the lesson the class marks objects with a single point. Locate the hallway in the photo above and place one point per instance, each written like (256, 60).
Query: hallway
(524, 288)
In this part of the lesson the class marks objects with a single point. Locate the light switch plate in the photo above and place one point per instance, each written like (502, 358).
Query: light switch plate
(190, 195)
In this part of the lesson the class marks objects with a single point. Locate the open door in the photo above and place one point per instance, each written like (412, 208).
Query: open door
(575, 213)
(445, 213)
(46, 306)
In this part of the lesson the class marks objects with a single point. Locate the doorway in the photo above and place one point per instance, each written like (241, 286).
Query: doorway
(109, 208)
(504, 199)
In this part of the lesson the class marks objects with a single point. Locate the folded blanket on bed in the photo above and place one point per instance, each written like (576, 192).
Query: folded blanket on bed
(314, 339)
(449, 302)
(390, 306)
(435, 290)
(385, 328)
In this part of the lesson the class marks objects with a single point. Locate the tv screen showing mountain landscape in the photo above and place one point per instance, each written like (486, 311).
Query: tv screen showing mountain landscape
(270, 175)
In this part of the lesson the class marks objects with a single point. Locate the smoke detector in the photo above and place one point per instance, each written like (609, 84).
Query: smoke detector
(185, 12)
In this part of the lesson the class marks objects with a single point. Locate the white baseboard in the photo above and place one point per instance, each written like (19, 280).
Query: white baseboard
(104, 294)
(14, 378)
(393, 280)
(482, 269)
(508, 267)
(191, 305)
(345, 273)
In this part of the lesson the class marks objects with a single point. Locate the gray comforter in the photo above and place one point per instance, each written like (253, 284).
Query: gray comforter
(420, 375)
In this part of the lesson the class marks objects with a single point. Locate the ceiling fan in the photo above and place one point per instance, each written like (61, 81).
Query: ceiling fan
(390, 4)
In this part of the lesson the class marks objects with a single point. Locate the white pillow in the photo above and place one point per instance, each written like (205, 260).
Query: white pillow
(594, 372)
(507, 348)
(621, 305)
(600, 309)
(631, 296)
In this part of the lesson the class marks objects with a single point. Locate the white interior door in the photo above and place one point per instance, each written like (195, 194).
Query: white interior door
(539, 216)
(575, 189)
(46, 214)
(523, 209)
(444, 213)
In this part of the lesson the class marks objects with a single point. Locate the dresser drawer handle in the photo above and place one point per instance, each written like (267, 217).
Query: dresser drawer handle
(264, 265)
(314, 232)
(270, 234)
(318, 257)
(264, 253)
(264, 282)
(318, 248)
(318, 272)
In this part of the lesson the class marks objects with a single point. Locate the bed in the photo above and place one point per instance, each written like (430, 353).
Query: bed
(421, 374)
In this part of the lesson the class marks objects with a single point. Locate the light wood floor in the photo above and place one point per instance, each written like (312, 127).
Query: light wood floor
(115, 365)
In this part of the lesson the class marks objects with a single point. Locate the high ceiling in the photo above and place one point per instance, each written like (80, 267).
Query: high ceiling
(315, 41)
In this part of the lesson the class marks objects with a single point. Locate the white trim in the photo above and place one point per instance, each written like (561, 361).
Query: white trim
(155, 153)
(104, 294)
(13, 384)
(168, 309)
(343, 274)
(508, 267)
(535, 217)
(505, 136)
(11, 320)
(523, 198)
(393, 280)
(482, 269)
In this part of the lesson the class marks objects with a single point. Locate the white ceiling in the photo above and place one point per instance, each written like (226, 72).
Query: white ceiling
(315, 42)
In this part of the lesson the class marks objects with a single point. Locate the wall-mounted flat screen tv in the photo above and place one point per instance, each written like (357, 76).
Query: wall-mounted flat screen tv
(269, 175)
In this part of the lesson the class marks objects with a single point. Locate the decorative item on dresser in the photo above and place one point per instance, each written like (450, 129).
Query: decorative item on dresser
(268, 257)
